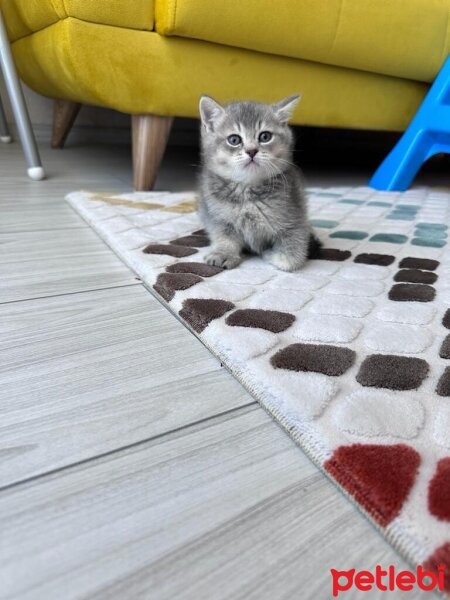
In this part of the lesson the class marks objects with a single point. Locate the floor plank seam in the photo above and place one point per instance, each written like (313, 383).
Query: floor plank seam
(50, 230)
(147, 441)
(102, 289)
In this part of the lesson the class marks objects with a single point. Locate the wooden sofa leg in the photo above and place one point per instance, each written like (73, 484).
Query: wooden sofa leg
(150, 134)
(64, 114)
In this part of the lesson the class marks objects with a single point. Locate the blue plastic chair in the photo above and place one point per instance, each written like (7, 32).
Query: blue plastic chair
(428, 134)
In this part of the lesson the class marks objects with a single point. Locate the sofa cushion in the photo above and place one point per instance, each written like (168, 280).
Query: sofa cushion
(23, 17)
(404, 38)
(169, 74)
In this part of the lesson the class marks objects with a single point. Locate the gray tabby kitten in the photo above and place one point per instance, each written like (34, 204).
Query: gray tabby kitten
(251, 193)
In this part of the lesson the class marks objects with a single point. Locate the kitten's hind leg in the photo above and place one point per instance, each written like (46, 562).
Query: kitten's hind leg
(226, 250)
(291, 252)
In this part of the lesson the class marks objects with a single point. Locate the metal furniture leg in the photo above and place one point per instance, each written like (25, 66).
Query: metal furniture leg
(14, 89)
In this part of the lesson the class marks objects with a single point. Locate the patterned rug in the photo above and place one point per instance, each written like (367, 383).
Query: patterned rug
(351, 354)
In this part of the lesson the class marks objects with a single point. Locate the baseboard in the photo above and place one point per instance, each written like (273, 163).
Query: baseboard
(184, 133)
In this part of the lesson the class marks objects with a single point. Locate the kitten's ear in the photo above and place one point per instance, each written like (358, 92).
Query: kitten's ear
(210, 111)
(285, 108)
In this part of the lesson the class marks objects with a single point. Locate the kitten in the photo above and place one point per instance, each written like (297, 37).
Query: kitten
(251, 193)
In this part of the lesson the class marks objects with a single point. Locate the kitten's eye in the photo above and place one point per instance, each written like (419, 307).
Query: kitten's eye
(265, 136)
(234, 139)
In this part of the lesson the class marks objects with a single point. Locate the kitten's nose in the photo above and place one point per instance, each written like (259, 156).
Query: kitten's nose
(252, 152)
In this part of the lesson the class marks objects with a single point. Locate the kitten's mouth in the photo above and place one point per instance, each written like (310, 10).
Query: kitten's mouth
(250, 162)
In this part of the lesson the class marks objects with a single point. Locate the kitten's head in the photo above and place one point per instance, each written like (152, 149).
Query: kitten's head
(247, 142)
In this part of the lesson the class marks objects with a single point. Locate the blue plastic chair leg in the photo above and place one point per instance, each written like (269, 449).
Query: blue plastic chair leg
(427, 134)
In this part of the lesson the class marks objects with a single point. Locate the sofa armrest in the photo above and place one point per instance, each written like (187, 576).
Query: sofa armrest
(23, 17)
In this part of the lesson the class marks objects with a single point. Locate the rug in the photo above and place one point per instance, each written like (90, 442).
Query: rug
(351, 355)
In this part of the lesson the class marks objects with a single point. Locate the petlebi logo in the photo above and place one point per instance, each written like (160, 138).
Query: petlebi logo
(387, 580)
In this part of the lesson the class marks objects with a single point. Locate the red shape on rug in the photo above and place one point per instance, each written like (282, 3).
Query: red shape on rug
(441, 556)
(439, 491)
(378, 477)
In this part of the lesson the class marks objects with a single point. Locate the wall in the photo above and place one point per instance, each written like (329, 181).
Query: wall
(94, 123)
(41, 111)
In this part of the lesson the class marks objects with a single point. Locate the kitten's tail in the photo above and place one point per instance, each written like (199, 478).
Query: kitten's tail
(314, 246)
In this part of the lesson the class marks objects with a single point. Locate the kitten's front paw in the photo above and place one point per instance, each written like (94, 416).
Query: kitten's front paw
(282, 261)
(226, 261)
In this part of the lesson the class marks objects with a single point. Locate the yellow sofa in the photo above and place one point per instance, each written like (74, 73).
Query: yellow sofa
(358, 63)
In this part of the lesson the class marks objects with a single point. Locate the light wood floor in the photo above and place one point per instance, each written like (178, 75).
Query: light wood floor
(131, 464)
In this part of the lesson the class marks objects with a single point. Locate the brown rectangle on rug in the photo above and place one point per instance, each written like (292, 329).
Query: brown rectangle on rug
(196, 241)
(411, 262)
(415, 276)
(169, 249)
(168, 283)
(329, 360)
(446, 319)
(443, 386)
(331, 254)
(271, 320)
(199, 312)
(412, 292)
(392, 372)
(444, 352)
(383, 260)
(197, 268)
